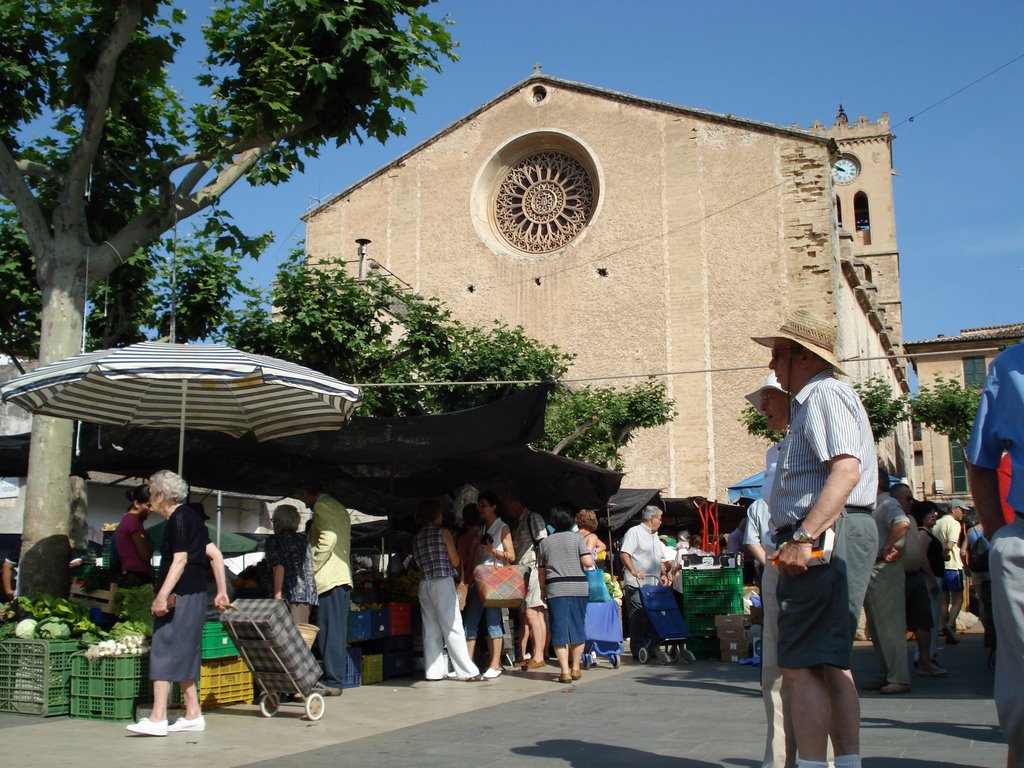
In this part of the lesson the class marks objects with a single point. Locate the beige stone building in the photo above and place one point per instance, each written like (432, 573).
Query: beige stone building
(650, 239)
(964, 358)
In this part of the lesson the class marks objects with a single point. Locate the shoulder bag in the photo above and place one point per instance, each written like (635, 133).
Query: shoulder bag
(501, 586)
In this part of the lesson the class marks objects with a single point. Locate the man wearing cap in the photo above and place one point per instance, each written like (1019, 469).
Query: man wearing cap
(826, 481)
(999, 428)
(780, 743)
(950, 529)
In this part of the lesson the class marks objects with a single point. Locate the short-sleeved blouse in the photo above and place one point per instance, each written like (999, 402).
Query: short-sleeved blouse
(291, 550)
(185, 532)
(559, 554)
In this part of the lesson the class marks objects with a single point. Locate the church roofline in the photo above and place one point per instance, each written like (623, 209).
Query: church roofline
(582, 88)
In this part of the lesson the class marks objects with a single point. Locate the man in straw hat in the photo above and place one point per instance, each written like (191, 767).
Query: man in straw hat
(825, 482)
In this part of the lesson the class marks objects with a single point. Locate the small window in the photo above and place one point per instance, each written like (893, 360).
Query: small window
(974, 371)
(959, 468)
(839, 212)
(861, 214)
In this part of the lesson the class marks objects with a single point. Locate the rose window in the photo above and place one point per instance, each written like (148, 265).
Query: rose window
(544, 202)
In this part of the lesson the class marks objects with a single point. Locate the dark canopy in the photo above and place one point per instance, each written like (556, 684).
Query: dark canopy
(377, 465)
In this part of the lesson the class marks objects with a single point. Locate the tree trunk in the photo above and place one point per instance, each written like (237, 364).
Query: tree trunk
(44, 547)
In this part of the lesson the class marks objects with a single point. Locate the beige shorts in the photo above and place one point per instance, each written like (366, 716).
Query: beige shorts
(533, 598)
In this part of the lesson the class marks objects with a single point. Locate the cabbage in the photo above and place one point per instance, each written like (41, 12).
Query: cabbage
(26, 629)
(54, 630)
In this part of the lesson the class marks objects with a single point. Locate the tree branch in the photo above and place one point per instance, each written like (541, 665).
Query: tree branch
(36, 170)
(14, 188)
(582, 428)
(71, 211)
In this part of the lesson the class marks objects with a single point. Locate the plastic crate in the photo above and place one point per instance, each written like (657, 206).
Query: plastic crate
(723, 580)
(399, 619)
(700, 623)
(217, 644)
(224, 681)
(378, 623)
(704, 647)
(712, 603)
(35, 676)
(397, 664)
(373, 668)
(359, 623)
(353, 667)
(112, 677)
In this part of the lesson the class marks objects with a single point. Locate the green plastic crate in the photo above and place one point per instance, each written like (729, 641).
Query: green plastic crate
(217, 644)
(700, 624)
(704, 647)
(35, 676)
(103, 708)
(715, 580)
(712, 603)
(112, 677)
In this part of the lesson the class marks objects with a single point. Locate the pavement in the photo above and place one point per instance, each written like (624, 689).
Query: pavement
(686, 716)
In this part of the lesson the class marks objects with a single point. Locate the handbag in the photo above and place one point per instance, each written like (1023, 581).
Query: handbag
(501, 586)
(598, 589)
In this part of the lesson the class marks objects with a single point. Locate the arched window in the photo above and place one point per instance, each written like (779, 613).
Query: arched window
(861, 214)
(839, 212)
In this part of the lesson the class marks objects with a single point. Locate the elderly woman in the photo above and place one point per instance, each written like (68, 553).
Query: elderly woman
(290, 559)
(435, 554)
(562, 559)
(586, 522)
(179, 605)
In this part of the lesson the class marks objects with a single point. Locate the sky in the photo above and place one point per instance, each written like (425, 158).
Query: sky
(959, 163)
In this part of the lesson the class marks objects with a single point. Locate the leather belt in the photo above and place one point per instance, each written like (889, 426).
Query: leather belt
(859, 510)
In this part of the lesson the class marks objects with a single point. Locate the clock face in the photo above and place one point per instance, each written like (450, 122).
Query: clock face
(845, 170)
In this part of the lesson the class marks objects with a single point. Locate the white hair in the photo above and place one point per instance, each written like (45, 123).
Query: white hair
(287, 516)
(650, 512)
(169, 485)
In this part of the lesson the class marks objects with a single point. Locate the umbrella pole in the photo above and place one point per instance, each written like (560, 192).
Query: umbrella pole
(181, 432)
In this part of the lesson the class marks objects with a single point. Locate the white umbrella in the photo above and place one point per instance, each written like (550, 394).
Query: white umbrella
(187, 386)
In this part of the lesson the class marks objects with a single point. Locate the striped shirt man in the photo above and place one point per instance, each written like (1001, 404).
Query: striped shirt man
(827, 420)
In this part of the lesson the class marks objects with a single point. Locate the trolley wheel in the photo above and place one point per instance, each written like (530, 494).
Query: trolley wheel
(687, 656)
(586, 662)
(614, 660)
(314, 706)
(269, 703)
(643, 655)
(673, 654)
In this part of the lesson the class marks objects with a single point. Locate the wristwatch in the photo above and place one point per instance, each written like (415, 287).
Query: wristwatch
(800, 536)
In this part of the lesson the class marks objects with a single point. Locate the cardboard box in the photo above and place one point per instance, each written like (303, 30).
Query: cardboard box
(741, 647)
(756, 614)
(732, 621)
(734, 634)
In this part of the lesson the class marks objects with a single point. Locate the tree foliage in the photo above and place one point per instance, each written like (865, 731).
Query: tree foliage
(947, 407)
(375, 332)
(594, 423)
(885, 412)
(757, 425)
(100, 156)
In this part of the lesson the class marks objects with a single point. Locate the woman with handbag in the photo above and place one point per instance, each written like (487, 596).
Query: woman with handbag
(586, 522)
(562, 561)
(433, 550)
(495, 548)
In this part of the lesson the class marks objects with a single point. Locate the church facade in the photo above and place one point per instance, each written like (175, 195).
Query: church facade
(649, 239)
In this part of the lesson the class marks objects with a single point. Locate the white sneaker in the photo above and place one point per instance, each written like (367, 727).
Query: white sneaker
(181, 724)
(147, 727)
(490, 674)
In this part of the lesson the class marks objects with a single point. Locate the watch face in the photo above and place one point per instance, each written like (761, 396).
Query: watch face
(845, 170)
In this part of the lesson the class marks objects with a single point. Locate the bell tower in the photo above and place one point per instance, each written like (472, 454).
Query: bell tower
(862, 180)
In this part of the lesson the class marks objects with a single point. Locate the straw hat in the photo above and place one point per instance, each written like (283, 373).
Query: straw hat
(755, 397)
(810, 331)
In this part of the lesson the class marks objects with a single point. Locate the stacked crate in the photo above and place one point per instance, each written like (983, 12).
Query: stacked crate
(109, 688)
(706, 594)
(35, 676)
(224, 677)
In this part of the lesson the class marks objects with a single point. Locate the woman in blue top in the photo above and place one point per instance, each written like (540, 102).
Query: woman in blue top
(562, 559)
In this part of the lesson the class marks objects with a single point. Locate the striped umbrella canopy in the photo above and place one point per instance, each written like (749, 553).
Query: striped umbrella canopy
(187, 386)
